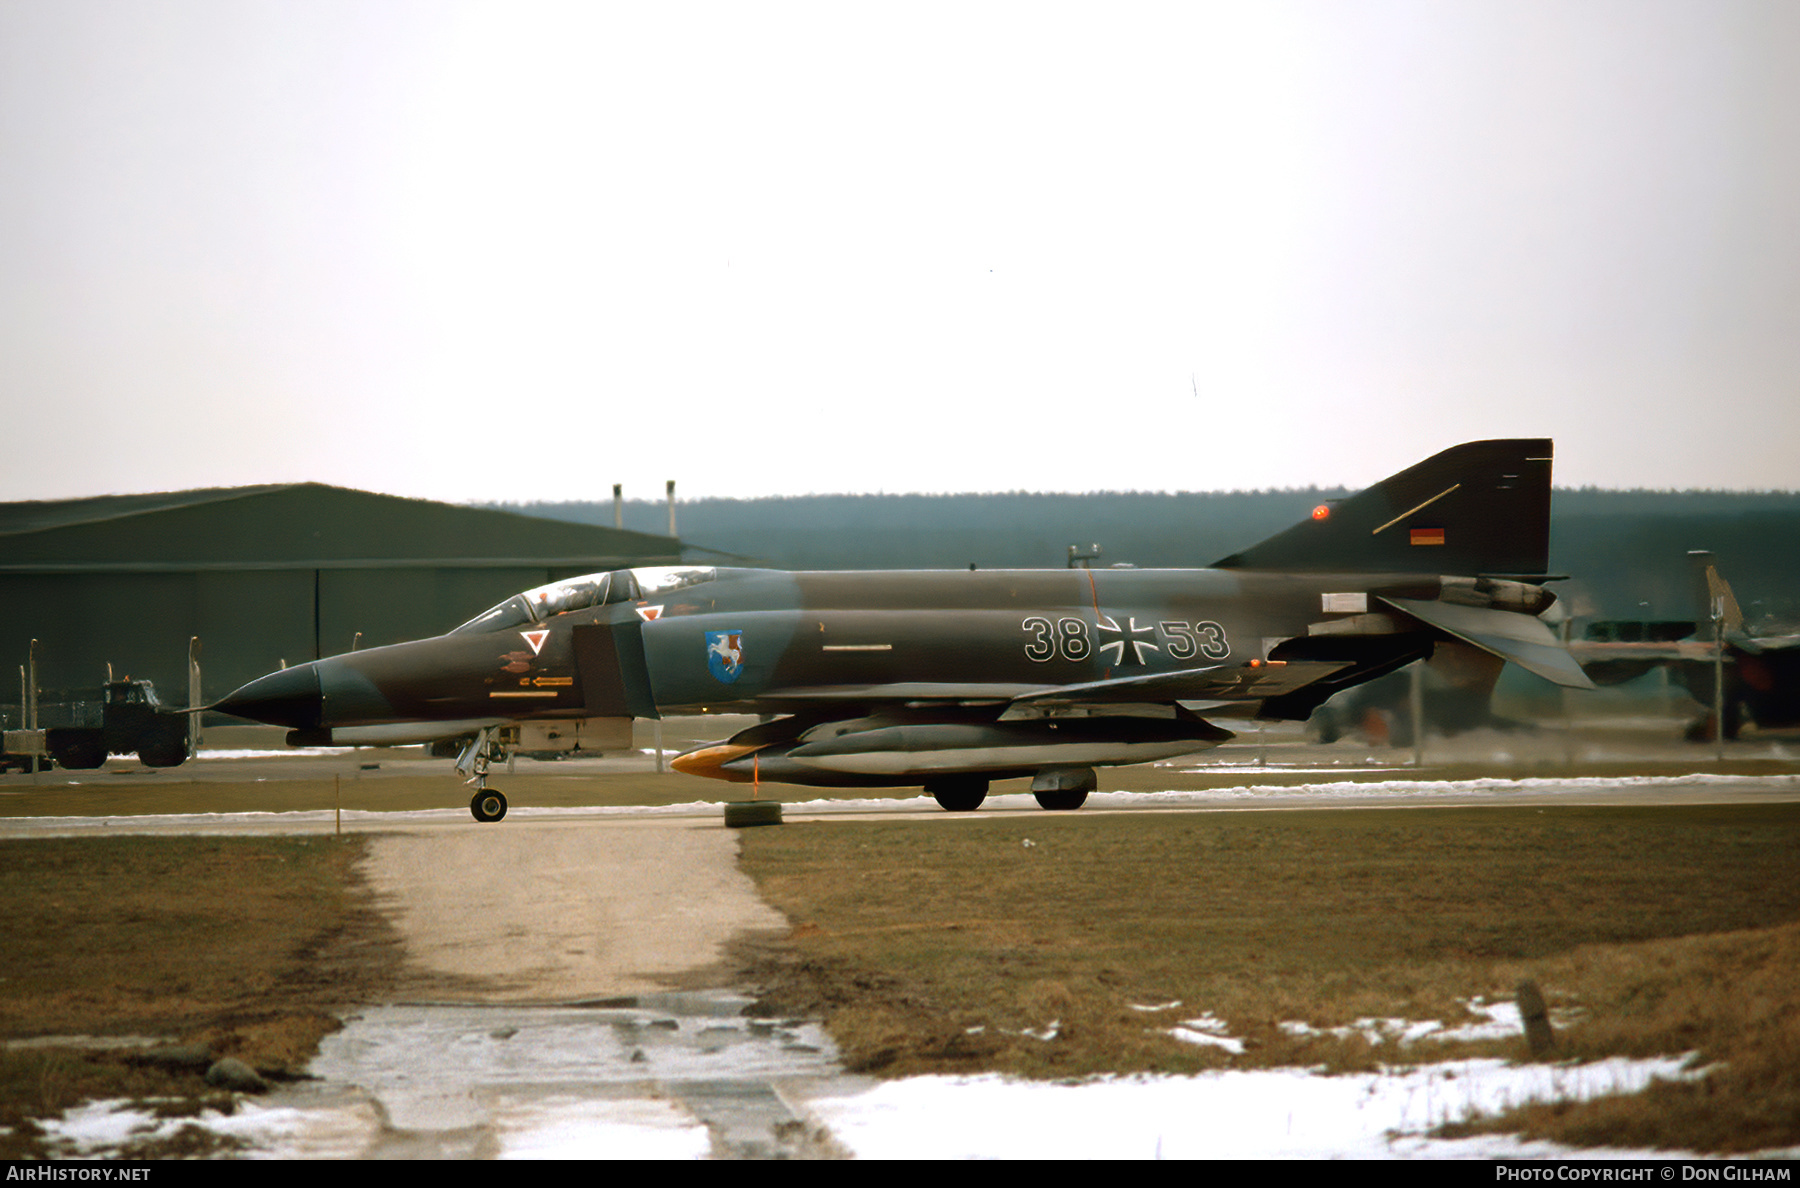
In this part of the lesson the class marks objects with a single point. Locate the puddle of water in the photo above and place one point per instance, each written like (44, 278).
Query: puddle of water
(662, 1076)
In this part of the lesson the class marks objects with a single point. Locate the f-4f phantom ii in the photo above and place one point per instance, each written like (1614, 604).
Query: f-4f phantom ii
(952, 679)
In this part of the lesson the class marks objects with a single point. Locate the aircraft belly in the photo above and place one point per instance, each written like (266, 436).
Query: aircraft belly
(400, 734)
(920, 748)
(926, 762)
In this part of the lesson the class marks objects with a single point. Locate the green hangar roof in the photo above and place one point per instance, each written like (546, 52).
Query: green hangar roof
(265, 576)
(300, 526)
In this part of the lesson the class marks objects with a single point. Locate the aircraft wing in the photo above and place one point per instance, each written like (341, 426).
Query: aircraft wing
(1222, 682)
(949, 691)
(1216, 683)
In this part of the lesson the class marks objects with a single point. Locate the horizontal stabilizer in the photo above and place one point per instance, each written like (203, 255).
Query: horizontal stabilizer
(1521, 638)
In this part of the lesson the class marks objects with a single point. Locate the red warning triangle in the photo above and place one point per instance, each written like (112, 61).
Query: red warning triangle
(536, 639)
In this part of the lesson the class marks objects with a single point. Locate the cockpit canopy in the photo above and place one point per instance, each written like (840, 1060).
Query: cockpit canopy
(578, 593)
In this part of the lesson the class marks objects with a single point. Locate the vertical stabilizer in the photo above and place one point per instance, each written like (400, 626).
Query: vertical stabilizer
(1713, 596)
(1482, 507)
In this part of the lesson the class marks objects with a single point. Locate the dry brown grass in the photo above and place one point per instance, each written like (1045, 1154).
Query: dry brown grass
(933, 947)
(1728, 997)
(241, 944)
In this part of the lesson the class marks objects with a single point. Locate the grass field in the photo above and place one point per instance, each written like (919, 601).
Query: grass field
(242, 945)
(940, 944)
(959, 947)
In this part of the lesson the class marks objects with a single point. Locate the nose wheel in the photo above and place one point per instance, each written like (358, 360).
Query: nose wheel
(488, 805)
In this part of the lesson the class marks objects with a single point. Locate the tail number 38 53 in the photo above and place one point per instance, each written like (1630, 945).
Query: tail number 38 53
(1069, 637)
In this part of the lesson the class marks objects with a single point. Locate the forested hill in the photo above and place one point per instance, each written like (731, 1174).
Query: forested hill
(1627, 550)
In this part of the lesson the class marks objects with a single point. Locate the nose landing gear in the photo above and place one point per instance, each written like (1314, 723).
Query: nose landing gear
(487, 805)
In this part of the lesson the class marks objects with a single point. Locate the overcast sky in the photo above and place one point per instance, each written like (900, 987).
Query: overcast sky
(526, 251)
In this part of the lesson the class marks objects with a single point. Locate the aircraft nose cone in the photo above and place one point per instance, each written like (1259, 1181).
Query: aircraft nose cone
(287, 698)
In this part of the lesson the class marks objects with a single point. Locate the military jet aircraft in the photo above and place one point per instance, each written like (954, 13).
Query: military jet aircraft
(952, 679)
(1759, 671)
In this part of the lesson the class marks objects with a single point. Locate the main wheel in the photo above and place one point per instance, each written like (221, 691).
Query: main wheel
(958, 794)
(488, 805)
(1062, 799)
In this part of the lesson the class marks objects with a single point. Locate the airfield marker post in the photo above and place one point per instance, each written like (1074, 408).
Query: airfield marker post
(1415, 697)
(193, 697)
(1718, 624)
(1568, 713)
(31, 706)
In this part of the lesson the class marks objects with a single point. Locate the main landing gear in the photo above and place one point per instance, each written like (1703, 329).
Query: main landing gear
(1059, 789)
(1063, 789)
(958, 793)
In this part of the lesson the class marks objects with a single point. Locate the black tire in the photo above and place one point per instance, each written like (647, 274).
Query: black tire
(80, 756)
(742, 814)
(958, 794)
(163, 754)
(1062, 800)
(487, 805)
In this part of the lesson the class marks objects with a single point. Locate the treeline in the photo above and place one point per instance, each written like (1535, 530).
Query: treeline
(1626, 551)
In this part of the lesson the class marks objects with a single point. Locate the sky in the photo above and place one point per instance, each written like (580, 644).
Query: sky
(524, 251)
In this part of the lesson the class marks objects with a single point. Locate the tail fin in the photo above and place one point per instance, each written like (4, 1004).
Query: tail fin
(1482, 507)
(1713, 596)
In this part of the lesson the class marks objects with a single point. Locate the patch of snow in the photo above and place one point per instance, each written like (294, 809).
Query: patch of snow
(586, 1129)
(283, 753)
(1351, 789)
(1207, 1031)
(1502, 1022)
(1285, 1113)
(99, 1126)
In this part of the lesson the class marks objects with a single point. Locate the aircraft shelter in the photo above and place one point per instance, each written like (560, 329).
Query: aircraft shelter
(263, 576)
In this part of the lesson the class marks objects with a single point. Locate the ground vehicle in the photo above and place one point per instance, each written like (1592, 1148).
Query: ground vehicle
(132, 720)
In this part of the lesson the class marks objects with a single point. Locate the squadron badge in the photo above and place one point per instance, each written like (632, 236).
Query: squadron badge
(725, 654)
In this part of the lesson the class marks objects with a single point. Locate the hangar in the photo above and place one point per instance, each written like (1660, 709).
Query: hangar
(264, 576)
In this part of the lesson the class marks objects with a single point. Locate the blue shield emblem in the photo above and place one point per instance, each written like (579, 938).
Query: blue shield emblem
(725, 654)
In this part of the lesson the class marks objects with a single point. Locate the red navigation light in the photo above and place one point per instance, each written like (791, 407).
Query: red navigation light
(1322, 511)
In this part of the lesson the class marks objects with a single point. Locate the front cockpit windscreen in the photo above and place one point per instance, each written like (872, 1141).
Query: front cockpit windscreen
(579, 593)
(540, 603)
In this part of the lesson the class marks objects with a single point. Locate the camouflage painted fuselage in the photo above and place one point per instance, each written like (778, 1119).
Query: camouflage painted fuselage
(902, 677)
